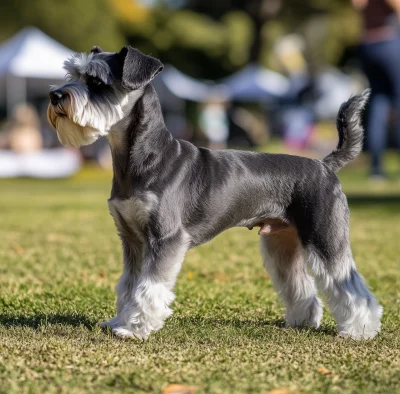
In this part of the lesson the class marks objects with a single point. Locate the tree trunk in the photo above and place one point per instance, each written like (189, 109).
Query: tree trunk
(260, 11)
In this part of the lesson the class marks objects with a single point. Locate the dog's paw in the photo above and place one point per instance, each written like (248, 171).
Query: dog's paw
(110, 323)
(125, 332)
(365, 326)
(305, 314)
(358, 336)
(365, 323)
(122, 332)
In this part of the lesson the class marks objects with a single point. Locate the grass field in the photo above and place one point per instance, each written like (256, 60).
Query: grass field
(59, 262)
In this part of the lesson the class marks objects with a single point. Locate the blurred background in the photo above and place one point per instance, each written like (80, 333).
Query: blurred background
(254, 74)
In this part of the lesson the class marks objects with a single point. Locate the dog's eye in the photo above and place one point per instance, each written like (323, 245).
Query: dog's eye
(95, 81)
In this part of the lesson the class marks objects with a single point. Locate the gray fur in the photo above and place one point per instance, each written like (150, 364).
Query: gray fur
(351, 133)
(168, 196)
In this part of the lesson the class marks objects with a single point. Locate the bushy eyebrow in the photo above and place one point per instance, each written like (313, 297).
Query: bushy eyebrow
(83, 64)
(98, 68)
(94, 75)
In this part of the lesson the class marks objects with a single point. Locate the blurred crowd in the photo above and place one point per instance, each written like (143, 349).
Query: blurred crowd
(380, 60)
(240, 74)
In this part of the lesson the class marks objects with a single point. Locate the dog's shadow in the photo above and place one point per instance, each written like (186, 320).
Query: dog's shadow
(248, 325)
(231, 322)
(41, 319)
(77, 320)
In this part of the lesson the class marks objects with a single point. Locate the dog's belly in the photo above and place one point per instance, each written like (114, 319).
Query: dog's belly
(269, 223)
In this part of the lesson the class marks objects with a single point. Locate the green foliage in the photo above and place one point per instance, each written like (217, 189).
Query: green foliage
(329, 27)
(75, 23)
(193, 42)
(206, 39)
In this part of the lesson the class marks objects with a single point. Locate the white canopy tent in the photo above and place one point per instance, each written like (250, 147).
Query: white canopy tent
(255, 84)
(29, 62)
(185, 87)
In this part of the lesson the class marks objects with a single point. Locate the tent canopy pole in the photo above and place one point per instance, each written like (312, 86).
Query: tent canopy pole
(15, 92)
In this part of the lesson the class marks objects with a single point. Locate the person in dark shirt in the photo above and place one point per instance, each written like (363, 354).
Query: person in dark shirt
(380, 58)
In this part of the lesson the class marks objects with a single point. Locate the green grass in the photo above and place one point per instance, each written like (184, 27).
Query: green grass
(60, 259)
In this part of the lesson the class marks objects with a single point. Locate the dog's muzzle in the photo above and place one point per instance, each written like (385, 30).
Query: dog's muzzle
(56, 96)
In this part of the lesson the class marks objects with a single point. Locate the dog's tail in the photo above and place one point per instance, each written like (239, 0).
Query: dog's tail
(351, 132)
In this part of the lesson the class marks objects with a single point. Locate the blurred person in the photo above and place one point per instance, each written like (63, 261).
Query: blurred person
(380, 58)
(24, 133)
(246, 129)
(297, 115)
(22, 153)
(214, 123)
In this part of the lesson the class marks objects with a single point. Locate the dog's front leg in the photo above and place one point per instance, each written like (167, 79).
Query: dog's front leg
(148, 306)
(133, 260)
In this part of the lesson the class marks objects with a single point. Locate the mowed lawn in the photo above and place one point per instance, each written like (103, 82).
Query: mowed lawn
(60, 259)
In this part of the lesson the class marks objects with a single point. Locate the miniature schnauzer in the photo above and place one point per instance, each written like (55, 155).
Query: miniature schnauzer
(168, 196)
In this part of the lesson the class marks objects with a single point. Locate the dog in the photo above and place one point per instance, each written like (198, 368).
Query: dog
(169, 196)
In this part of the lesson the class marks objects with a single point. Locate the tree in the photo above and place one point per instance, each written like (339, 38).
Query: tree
(328, 26)
(75, 23)
(194, 42)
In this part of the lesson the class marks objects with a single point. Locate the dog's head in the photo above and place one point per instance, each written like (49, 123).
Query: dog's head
(100, 92)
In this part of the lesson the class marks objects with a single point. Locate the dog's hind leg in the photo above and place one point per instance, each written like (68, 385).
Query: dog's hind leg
(283, 259)
(330, 260)
(149, 303)
(354, 308)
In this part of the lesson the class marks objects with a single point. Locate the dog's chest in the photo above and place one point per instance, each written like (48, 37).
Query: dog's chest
(132, 215)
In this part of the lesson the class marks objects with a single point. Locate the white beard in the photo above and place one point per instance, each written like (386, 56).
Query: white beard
(85, 123)
(72, 135)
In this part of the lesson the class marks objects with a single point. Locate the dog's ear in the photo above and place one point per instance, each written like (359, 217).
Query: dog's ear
(138, 69)
(96, 49)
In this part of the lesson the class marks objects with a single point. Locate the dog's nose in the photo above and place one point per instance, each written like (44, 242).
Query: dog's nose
(55, 97)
